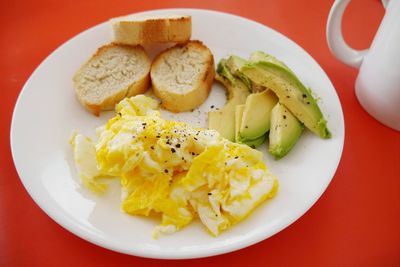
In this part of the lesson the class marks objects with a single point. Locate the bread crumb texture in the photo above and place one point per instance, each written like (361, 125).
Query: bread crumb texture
(182, 68)
(111, 69)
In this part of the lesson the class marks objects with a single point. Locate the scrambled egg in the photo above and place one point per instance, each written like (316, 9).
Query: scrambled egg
(172, 169)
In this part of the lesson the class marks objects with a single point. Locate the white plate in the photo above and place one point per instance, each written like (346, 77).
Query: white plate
(47, 111)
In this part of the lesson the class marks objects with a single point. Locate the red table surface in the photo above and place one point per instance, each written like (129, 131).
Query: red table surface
(355, 223)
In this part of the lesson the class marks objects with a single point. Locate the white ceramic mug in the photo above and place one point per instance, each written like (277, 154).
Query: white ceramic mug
(378, 82)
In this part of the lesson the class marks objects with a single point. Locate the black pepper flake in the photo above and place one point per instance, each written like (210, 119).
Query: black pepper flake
(144, 124)
(158, 136)
(195, 138)
(304, 95)
(212, 106)
(236, 157)
(246, 126)
(308, 103)
(284, 116)
(253, 146)
(152, 147)
(193, 153)
(183, 158)
(173, 150)
(145, 137)
(166, 171)
(209, 194)
(119, 113)
(288, 96)
(178, 145)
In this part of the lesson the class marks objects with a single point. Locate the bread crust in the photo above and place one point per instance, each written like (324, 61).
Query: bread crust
(153, 30)
(138, 86)
(179, 102)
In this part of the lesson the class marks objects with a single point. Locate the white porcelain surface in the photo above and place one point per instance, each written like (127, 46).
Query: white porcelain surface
(47, 111)
(378, 82)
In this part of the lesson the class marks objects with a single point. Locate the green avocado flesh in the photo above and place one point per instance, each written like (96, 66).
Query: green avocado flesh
(238, 119)
(223, 71)
(223, 120)
(257, 115)
(285, 130)
(259, 56)
(234, 64)
(267, 71)
(255, 143)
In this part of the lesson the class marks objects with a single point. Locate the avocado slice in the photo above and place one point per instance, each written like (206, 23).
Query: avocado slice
(223, 120)
(224, 71)
(266, 70)
(257, 142)
(238, 119)
(285, 130)
(258, 56)
(257, 115)
(234, 64)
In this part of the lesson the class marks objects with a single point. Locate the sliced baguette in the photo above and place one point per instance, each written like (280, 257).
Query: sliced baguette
(115, 71)
(182, 76)
(143, 29)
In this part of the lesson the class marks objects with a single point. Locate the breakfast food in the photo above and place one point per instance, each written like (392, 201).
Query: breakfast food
(144, 29)
(285, 131)
(269, 72)
(278, 106)
(172, 169)
(256, 118)
(223, 119)
(182, 76)
(112, 73)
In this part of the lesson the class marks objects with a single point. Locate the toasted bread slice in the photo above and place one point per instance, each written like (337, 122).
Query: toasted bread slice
(182, 76)
(115, 71)
(143, 29)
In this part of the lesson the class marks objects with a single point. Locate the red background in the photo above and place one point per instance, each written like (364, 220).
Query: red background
(355, 223)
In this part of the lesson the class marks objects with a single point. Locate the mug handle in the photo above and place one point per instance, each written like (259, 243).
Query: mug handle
(334, 36)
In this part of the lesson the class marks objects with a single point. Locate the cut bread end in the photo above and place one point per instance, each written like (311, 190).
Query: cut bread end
(114, 72)
(182, 76)
(144, 29)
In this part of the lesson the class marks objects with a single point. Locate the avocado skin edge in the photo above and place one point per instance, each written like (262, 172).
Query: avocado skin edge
(253, 143)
